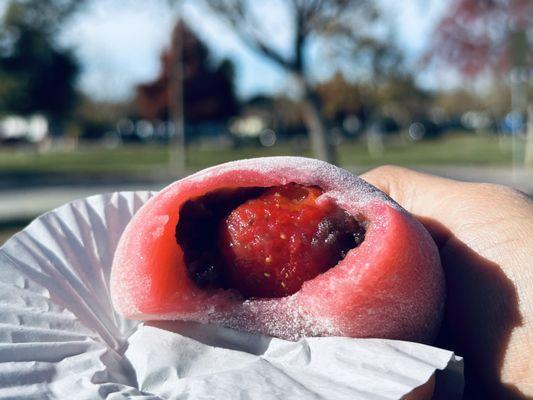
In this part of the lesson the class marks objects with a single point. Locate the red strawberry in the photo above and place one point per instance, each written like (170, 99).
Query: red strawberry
(274, 243)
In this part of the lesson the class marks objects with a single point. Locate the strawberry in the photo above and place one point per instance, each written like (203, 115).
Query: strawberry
(272, 244)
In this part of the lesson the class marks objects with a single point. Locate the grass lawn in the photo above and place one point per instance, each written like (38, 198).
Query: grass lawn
(453, 149)
(134, 160)
(150, 160)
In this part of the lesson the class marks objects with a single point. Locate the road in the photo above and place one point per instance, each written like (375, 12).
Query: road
(24, 203)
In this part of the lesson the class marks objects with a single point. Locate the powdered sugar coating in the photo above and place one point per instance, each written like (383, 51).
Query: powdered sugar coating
(390, 286)
(343, 186)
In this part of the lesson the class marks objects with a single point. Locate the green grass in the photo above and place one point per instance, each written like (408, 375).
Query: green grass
(455, 149)
(141, 161)
(452, 149)
(90, 159)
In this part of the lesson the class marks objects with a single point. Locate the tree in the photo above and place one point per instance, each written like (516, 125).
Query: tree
(476, 35)
(340, 98)
(208, 92)
(189, 89)
(342, 23)
(36, 75)
(495, 35)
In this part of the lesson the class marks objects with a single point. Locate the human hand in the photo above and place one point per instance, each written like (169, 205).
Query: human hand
(485, 237)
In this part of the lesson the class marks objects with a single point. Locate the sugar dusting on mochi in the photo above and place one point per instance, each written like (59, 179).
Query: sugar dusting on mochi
(390, 286)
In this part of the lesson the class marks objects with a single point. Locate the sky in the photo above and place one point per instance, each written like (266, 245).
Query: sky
(119, 42)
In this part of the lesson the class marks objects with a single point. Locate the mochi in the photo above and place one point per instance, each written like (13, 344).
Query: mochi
(390, 285)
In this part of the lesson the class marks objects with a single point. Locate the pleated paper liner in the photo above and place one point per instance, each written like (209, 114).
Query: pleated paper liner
(60, 337)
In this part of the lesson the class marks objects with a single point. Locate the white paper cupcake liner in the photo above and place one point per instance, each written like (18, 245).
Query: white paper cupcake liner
(61, 339)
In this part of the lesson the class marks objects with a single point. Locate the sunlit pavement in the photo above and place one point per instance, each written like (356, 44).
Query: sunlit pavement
(26, 203)
(519, 178)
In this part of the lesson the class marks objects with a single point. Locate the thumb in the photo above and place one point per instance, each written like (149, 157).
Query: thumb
(431, 199)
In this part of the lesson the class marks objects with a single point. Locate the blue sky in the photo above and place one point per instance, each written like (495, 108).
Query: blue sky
(119, 42)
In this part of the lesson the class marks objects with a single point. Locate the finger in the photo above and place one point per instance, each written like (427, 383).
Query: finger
(433, 200)
(411, 189)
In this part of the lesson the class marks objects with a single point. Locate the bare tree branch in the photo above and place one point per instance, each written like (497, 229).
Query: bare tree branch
(235, 14)
(311, 18)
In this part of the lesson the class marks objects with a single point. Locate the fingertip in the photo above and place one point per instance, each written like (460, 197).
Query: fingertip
(382, 176)
(413, 190)
(429, 198)
(398, 182)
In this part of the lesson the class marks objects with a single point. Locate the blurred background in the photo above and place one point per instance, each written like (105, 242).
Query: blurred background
(106, 95)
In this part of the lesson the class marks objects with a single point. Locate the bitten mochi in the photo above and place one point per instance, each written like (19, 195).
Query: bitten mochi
(390, 285)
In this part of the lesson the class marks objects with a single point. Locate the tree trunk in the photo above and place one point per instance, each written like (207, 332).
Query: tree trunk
(322, 146)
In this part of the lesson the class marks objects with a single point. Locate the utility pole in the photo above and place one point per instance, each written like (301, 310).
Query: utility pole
(177, 141)
(519, 77)
(529, 137)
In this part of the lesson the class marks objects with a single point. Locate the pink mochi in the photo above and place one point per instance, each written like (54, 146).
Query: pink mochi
(390, 286)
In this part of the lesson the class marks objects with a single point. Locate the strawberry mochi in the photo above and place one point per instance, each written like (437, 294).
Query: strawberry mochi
(175, 258)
